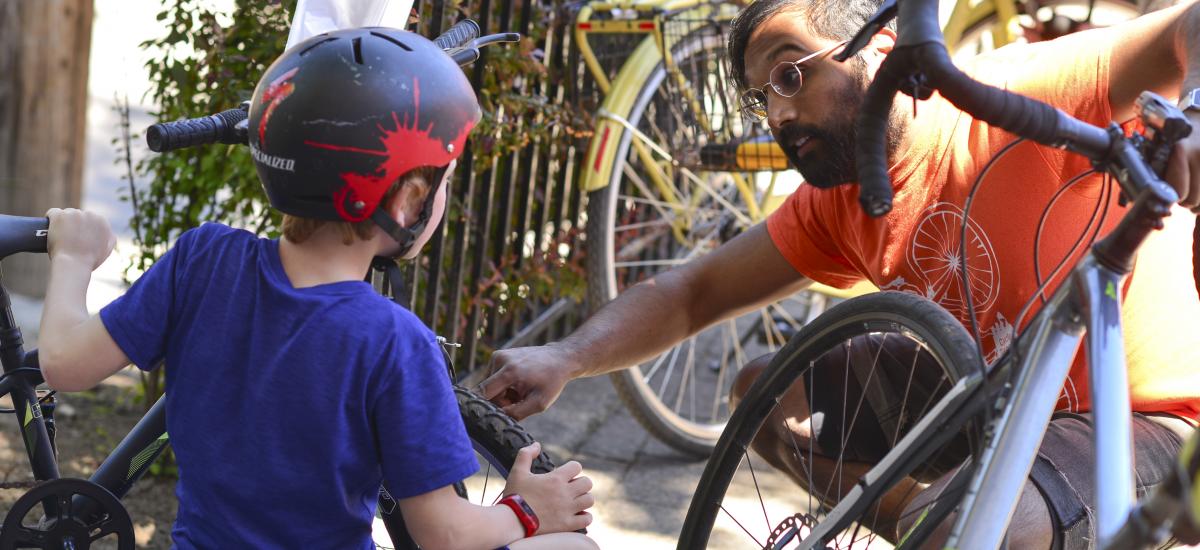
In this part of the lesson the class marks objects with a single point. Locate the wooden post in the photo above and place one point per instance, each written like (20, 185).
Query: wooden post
(44, 46)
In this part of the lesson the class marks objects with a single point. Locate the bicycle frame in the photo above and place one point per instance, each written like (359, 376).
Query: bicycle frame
(128, 461)
(1086, 307)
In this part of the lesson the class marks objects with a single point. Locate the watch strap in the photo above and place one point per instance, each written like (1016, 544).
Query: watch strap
(524, 512)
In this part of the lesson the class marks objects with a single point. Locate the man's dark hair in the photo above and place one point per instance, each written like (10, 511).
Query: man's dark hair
(829, 19)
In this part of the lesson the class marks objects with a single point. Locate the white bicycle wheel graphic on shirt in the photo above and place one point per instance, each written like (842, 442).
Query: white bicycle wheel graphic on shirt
(933, 254)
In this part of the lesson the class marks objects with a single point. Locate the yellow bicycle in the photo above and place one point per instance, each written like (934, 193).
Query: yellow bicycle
(674, 170)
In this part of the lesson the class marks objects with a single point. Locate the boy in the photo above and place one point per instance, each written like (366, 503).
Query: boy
(294, 387)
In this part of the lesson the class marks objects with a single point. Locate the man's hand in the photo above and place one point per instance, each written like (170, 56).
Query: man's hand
(526, 381)
(83, 236)
(1183, 168)
(559, 498)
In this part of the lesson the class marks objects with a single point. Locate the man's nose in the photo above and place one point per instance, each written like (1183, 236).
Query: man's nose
(781, 111)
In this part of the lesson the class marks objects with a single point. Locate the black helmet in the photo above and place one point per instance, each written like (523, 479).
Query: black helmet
(339, 117)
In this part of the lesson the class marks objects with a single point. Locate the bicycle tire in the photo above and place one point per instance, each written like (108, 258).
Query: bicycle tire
(976, 34)
(647, 393)
(496, 438)
(940, 335)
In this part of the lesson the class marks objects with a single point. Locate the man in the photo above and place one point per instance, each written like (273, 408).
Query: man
(936, 155)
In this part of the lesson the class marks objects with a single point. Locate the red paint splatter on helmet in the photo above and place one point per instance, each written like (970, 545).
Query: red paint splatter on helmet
(277, 91)
(405, 146)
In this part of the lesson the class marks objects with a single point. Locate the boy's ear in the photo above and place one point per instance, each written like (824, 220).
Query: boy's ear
(406, 204)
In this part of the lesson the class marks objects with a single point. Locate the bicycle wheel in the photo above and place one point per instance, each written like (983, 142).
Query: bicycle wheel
(1043, 20)
(865, 395)
(657, 213)
(496, 438)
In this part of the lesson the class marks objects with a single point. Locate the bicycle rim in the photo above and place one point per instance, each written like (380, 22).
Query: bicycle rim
(637, 229)
(742, 500)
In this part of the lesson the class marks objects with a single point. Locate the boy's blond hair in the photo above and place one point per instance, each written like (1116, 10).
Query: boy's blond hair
(297, 229)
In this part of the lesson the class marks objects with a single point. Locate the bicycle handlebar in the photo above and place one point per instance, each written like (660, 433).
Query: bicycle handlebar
(224, 127)
(461, 42)
(23, 234)
(920, 64)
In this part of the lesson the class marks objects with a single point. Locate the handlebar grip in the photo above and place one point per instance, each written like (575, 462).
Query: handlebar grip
(218, 128)
(458, 35)
(23, 234)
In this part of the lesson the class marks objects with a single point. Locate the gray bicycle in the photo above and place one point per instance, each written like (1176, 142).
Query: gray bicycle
(970, 428)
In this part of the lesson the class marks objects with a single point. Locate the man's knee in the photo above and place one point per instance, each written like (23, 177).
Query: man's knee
(746, 377)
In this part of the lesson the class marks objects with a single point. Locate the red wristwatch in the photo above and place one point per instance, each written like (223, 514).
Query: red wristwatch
(524, 512)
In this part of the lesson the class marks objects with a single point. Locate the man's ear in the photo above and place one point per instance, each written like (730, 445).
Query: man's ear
(877, 49)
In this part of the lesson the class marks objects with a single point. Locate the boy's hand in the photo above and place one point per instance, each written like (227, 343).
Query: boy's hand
(84, 236)
(559, 498)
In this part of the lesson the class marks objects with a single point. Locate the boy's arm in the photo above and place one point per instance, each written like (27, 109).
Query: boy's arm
(76, 352)
(441, 519)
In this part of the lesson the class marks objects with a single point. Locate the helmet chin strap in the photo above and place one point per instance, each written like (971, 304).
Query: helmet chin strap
(405, 236)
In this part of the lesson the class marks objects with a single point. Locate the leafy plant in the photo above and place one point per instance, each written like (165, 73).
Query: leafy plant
(209, 60)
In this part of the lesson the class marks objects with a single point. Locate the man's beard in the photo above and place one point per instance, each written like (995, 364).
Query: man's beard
(829, 161)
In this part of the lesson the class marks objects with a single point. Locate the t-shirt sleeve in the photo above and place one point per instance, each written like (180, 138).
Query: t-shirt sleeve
(423, 443)
(139, 321)
(802, 237)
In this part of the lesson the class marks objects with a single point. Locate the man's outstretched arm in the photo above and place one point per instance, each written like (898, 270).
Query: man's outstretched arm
(646, 320)
(1161, 52)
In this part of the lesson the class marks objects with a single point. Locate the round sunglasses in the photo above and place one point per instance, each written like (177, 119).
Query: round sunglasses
(786, 78)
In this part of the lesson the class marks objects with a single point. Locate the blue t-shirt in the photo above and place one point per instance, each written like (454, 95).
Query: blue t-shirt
(287, 407)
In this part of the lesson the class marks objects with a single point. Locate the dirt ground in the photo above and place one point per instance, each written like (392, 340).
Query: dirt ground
(89, 425)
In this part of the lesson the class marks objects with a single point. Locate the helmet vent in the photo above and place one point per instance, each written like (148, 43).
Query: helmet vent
(310, 48)
(393, 41)
(358, 50)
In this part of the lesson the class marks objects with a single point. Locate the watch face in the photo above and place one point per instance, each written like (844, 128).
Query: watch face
(525, 506)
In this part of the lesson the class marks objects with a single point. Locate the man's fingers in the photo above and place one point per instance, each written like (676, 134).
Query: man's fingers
(523, 408)
(494, 387)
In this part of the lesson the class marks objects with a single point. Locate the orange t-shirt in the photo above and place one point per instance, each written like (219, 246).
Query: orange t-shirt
(826, 236)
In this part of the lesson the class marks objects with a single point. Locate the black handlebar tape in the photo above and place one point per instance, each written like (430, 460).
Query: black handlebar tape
(23, 234)
(875, 186)
(458, 35)
(1023, 116)
(218, 128)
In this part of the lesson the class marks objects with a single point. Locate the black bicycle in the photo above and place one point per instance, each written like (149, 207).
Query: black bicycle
(63, 513)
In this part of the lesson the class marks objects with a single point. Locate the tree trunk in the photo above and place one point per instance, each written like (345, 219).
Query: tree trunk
(44, 47)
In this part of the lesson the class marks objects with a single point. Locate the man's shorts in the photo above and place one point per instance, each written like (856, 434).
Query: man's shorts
(904, 381)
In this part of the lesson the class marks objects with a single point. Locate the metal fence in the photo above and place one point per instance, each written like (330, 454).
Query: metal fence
(515, 212)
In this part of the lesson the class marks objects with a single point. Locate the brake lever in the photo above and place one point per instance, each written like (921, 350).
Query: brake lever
(1165, 125)
(469, 53)
(886, 12)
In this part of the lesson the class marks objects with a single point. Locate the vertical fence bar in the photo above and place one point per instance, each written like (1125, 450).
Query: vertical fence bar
(487, 226)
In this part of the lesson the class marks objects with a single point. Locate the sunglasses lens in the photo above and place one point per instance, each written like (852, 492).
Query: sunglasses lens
(786, 79)
(754, 104)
